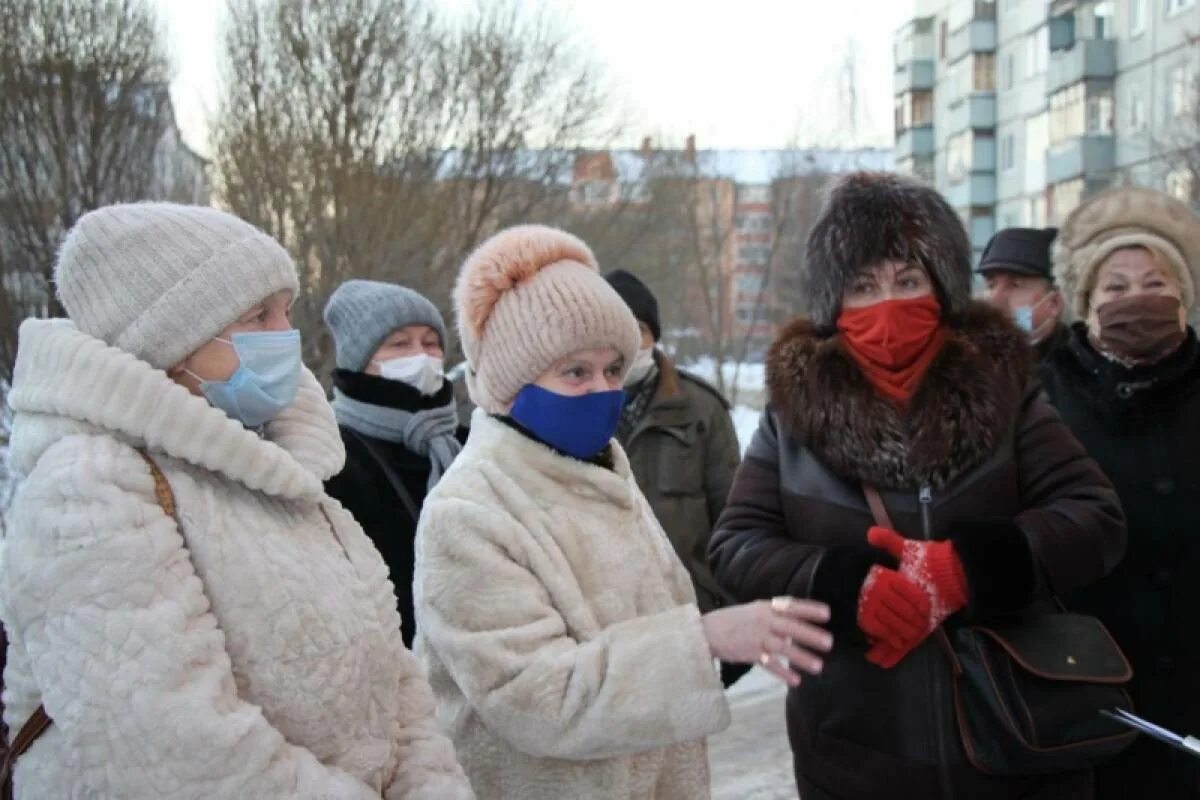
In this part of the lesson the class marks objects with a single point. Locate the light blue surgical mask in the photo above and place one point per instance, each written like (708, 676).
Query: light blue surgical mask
(1023, 317)
(266, 380)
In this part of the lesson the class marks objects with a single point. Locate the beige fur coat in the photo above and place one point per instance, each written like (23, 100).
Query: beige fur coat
(560, 631)
(252, 651)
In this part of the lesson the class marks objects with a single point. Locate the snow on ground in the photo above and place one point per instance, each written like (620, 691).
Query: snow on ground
(745, 422)
(751, 759)
(748, 377)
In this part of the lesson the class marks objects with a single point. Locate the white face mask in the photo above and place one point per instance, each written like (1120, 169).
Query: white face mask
(643, 362)
(423, 372)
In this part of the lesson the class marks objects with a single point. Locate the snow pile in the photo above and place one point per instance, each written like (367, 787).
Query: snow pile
(749, 378)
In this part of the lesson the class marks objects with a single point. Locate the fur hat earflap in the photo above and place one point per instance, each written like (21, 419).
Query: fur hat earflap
(873, 216)
(1119, 218)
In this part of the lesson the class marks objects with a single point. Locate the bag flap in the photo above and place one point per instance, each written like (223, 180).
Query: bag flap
(1059, 647)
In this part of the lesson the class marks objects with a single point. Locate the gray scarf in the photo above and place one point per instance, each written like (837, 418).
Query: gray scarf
(428, 433)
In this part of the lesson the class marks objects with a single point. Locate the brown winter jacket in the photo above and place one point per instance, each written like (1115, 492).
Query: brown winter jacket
(1028, 512)
(683, 453)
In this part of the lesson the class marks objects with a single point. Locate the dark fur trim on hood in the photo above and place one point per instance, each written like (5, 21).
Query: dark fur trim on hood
(871, 216)
(967, 401)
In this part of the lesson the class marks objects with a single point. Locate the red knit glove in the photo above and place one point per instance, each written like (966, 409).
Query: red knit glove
(891, 608)
(933, 566)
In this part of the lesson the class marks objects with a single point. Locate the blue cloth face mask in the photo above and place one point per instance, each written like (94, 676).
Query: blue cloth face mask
(579, 426)
(266, 380)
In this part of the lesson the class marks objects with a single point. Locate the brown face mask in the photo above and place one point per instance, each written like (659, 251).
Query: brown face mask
(1142, 329)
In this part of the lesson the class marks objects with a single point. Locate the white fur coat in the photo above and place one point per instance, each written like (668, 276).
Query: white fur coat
(272, 669)
(560, 630)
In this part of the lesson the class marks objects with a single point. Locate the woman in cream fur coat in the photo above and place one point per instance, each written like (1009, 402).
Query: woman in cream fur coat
(560, 630)
(252, 650)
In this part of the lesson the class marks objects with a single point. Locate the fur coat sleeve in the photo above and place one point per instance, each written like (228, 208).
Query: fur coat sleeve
(639, 684)
(160, 716)
(428, 768)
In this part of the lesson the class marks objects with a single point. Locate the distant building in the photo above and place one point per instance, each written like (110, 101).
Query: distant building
(1017, 110)
(746, 204)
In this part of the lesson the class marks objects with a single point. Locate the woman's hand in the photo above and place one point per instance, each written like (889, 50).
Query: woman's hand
(779, 634)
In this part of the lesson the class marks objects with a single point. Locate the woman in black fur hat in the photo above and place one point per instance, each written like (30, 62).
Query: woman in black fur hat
(899, 381)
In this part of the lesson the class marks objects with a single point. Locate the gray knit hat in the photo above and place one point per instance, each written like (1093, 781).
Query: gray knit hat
(361, 314)
(159, 280)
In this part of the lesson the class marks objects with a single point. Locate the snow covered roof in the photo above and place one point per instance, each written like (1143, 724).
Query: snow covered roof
(743, 167)
(750, 167)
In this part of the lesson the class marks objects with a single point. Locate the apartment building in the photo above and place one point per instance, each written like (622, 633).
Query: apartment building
(1018, 109)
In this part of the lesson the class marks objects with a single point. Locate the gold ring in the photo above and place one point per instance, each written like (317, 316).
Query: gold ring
(781, 603)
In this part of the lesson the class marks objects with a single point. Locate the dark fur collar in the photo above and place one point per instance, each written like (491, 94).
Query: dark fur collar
(966, 403)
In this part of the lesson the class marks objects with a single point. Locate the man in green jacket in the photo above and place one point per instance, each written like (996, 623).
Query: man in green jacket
(681, 444)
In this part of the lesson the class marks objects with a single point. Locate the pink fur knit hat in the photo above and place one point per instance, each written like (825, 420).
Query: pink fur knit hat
(526, 298)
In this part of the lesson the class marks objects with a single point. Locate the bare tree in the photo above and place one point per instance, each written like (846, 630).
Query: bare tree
(375, 139)
(85, 107)
(692, 260)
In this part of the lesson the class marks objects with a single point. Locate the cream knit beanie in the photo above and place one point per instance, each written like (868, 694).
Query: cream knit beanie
(1125, 217)
(158, 280)
(528, 297)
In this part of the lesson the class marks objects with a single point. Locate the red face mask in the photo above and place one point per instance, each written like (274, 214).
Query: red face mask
(893, 343)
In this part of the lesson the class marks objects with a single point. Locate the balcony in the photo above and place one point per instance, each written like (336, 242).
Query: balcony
(977, 36)
(915, 143)
(914, 76)
(981, 230)
(1079, 157)
(1087, 59)
(977, 189)
(974, 112)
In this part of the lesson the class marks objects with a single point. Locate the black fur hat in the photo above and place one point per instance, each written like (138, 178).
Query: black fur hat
(870, 216)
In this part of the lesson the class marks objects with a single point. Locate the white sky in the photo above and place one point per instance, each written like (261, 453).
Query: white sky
(737, 73)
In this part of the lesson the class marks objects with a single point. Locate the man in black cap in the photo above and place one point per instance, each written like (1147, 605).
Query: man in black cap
(682, 448)
(1016, 268)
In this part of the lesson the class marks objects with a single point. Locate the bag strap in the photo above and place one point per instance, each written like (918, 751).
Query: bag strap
(389, 473)
(40, 721)
(878, 509)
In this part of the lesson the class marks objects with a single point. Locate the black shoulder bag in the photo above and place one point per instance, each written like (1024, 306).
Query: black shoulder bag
(1029, 689)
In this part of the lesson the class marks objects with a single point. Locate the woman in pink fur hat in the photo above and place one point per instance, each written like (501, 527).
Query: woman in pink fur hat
(561, 632)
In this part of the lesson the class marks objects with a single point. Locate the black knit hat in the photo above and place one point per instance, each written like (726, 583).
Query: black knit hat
(873, 216)
(638, 297)
(1022, 250)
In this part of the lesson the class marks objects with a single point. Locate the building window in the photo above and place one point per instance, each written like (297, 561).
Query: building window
(958, 156)
(943, 35)
(1179, 184)
(1037, 51)
(1066, 114)
(1137, 17)
(1008, 152)
(984, 77)
(1180, 91)
(1100, 114)
(1173, 7)
(1035, 212)
(922, 109)
(1102, 13)
(1065, 197)
(751, 282)
(1009, 76)
(1137, 113)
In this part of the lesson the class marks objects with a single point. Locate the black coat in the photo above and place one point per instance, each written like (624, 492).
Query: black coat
(1026, 510)
(1143, 427)
(364, 489)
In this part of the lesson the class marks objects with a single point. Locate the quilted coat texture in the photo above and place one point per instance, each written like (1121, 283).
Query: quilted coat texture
(255, 653)
(560, 630)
